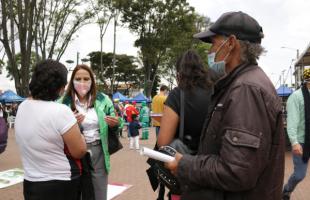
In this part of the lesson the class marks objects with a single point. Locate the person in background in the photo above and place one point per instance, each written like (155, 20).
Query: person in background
(158, 105)
(241, 150)
(298, 129)
(131, 109)
(95, 114)
(49, 137)
(119, 109)
(134, 127)
(124, 110)
(195, 81)
(1, 110)
(158, 109)
(14, 109)
(4, 113)
(145, 120)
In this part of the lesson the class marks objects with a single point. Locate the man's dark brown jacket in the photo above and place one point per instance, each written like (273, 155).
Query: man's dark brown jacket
(241, 152)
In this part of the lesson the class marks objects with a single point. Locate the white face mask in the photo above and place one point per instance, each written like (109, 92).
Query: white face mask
(82, 88)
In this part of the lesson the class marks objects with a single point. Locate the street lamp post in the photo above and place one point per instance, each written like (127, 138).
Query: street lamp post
(70, 68)
(84, 60)
(70, 62)
(294, 49)
(77, 57)
(296, 71)
(116, 14)
(283, 83)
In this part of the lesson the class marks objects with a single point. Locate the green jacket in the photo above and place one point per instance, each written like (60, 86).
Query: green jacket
(144, 114)
(103, 107)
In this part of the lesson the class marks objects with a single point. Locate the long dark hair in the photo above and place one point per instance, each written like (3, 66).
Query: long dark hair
(191, 71)
(93, 91)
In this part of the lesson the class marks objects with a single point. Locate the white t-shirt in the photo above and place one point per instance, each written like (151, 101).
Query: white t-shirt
(39, 126)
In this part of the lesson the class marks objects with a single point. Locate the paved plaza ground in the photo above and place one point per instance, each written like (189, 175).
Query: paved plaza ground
(128, 167)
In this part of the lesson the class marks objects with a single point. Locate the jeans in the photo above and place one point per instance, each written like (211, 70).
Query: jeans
(300, 171)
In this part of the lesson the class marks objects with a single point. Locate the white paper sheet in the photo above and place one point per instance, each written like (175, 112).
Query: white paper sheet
(156, 155)
(116, 189)
(156, 114)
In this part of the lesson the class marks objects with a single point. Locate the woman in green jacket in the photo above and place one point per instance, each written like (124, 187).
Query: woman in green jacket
(95, 114)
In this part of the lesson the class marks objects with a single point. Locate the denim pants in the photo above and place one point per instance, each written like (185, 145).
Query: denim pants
(300, 171)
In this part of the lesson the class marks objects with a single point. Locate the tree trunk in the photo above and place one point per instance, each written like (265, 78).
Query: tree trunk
(148, 82)
(24, 22)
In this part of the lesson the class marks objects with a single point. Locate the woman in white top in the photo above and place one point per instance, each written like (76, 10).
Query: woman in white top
(49, 138)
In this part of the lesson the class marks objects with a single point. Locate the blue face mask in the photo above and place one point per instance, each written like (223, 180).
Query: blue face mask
(218, 67)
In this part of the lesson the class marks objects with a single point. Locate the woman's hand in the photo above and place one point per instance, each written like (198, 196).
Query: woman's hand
(79, 117)
(111, 121)
(173, 166)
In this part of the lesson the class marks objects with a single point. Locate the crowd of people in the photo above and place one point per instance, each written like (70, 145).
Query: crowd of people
(7, 110)
(229, 114)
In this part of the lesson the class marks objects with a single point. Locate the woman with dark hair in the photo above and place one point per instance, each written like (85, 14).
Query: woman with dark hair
(195, 82)
(95, 114)
(49, 138)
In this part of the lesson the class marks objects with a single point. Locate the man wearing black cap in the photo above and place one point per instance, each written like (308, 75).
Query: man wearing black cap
(241, 152)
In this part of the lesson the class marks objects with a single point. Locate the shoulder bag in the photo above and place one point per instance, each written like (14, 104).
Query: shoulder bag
(164, 175)
(114, 144)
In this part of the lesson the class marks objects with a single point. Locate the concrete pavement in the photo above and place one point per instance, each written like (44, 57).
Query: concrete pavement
(128, 167)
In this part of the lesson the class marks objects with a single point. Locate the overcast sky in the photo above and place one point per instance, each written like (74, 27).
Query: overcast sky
(285, 24)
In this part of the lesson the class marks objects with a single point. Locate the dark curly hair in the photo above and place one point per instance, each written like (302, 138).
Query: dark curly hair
(48, 78)
(191, 71)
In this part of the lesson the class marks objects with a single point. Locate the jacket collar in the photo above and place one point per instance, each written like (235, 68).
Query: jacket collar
(67, 99)
(227, 80)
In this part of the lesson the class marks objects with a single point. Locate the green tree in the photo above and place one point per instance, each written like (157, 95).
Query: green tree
(103, 14)
(160, 26)
(168, 70)
(56, 22)
(43, 26)
(2, 63)
(126, 70)
(1, 66)
(18, 63)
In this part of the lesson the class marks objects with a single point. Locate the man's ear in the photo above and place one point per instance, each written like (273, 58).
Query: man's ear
(232, 40)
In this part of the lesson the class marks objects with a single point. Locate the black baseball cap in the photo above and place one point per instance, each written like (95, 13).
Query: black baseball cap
(240, 24)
